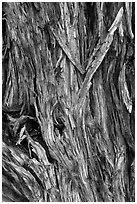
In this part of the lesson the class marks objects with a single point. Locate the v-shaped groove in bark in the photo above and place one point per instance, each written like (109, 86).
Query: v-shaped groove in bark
(67, 51)
(96, 59)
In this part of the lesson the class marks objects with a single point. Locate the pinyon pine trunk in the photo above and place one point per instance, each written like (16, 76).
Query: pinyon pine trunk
(68, 101)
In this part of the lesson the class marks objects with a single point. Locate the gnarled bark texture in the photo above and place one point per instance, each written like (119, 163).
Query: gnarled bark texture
(68, 102)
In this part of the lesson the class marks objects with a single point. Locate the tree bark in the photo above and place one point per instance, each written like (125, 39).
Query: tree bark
(68, 102)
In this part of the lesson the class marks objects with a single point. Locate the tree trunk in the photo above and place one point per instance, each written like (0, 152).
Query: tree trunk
(68, 102)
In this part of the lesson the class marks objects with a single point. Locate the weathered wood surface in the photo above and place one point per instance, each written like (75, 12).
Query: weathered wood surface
(68, 102)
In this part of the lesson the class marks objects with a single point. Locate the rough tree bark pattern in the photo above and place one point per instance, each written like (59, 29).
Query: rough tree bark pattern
(68, 102)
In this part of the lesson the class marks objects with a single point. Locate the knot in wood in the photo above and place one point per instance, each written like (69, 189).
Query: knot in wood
(58, 115)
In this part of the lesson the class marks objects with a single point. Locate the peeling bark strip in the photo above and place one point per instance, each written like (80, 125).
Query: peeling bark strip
(68, 106)
(68, 52)
(96, 59)
(124, 90)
